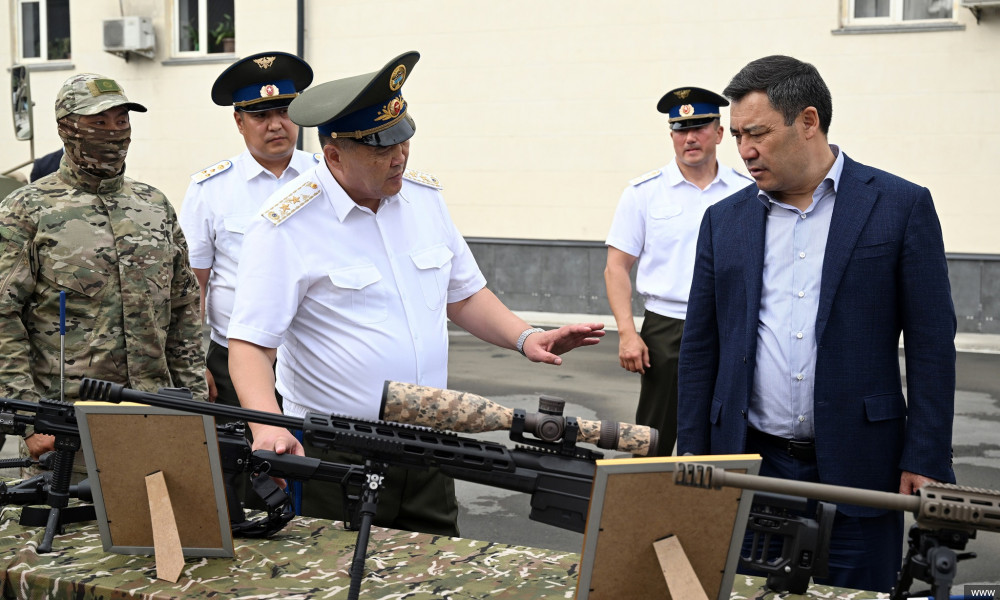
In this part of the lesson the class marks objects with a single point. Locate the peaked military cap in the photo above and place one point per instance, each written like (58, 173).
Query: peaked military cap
(262, 82)
(690, 107)
(368, 108)
(89, 94)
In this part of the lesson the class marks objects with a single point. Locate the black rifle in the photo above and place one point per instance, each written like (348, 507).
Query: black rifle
(558, 475)
(58, 419)
(53, 487)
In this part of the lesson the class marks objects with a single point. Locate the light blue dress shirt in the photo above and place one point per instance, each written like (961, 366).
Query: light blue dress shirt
(781, 402)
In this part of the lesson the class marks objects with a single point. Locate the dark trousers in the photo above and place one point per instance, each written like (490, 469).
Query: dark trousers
(411, 499)
(866, 553)
(217, 361)
(658, 386)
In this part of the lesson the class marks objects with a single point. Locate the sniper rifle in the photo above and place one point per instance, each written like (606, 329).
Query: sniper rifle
(947, 517)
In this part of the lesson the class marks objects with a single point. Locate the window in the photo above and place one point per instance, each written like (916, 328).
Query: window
(864, 12)
(204, 27)
(44, 29)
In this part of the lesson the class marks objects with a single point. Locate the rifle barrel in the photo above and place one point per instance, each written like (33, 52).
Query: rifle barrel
(707, 476)
(105, 391)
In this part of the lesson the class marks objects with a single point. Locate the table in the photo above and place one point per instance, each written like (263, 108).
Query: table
(309, 558)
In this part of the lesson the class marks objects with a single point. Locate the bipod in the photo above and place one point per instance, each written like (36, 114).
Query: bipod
(931, 558)
(374, 474)
(58, 513)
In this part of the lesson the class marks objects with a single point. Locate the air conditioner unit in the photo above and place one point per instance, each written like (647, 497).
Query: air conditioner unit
(129, 34)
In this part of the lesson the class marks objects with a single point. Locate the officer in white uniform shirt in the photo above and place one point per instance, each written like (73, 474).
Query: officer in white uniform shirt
(656, 224)
(351, 273)
(222, 198)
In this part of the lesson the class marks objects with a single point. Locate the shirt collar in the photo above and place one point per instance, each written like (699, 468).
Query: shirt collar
(722, 173)
(342, 203)
(832, 178)
(249, 167)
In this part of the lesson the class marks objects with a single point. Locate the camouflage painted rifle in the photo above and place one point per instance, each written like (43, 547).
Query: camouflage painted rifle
(946, 515)
(58, 419)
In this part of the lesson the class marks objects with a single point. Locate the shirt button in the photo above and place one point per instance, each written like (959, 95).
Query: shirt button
(802, 254)
(803, 216)
(800, 376)
(799, 335)
(802, 418)
(802, 294)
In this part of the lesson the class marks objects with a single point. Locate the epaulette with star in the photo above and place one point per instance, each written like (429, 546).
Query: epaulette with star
(645, 177)
(291, 203)
(318, 157)
(208, 172)
(422, 178)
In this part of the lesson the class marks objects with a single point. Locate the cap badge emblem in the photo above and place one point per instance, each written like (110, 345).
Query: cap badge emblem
(103, 86)
(264, 62)
(397, 78)
(269, 90)
(392, 109)
(682, 94)
(687, 110)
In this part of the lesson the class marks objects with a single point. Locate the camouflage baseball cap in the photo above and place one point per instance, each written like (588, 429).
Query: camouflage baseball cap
(89, 94)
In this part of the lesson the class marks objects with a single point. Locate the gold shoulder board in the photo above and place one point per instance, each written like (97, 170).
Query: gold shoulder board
(290, 204)
(423, 178)
(645, 177)
(206, 173)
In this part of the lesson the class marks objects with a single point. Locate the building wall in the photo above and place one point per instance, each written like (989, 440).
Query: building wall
(183, 130)
(535, 115)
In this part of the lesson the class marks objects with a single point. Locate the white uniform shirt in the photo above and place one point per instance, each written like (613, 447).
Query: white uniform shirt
(217, 208)
(352, 297)
(657, 221)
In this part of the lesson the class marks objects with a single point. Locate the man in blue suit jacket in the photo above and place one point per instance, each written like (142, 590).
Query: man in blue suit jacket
(802, 286)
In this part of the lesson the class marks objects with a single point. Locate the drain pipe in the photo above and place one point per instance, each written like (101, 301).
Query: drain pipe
(300, 44)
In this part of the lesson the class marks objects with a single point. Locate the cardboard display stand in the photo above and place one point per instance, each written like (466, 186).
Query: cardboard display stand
(123, 444)
(635, 504)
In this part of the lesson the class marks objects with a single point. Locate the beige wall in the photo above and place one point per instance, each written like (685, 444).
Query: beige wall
(536, 114)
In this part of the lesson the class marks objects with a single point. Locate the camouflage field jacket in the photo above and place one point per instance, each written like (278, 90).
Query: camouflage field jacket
(115, 247)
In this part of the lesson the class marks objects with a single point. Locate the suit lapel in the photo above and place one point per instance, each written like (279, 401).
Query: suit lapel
(855, 199)
(753, 220)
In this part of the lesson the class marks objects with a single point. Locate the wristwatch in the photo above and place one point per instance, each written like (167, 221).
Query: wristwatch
(524, 335)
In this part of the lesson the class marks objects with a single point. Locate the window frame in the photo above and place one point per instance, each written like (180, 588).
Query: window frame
(895, 18)
(203, 32)
(43, 34)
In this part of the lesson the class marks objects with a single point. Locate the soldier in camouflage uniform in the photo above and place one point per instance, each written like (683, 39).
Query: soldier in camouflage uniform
(114, 246)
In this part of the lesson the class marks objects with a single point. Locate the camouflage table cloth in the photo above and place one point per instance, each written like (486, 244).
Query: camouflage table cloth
(308, 559)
